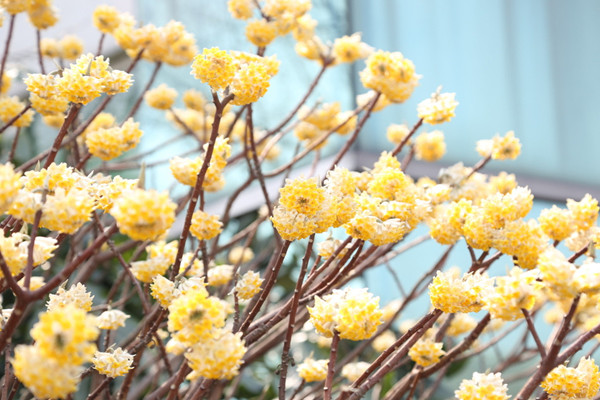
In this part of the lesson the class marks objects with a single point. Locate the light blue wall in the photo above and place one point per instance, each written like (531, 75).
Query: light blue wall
(528, 66)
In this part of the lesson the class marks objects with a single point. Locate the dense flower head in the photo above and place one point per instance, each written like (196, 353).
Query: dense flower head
(250, 83)
(218, 357)
(42, 14)
(323, 117)
(240, 255)
(557, 274)
(587, 278)
(302, 195)
(573, 383)
(512, 294)
(353, 313)
(46, 377)
(144, 214)
(430, 146)
(10, 107)
(390, 74)
(79, 88)
(205, 226)
(240, 9)
(112, 319)
(426, 352)
(9, 185)
(14, 6)
(15, 250)
(162, 290)
(499, 208)
(312, 370)
(109, 143)
(482, 387)
(66, 334)
(438, 108)
(396, 133)
(348, 49)
(194, 315)
(384, 341)
(56, 176)
(161, 97)
(161, 256)
(305, 208)
(113, 363)
(219, 275)
(248, 285)
(76, 295)
(261, 32)
(584, 213)
(452, 293)
(507, 147)
(556, 223)
(66, 212)
(353, 371)
(215, 67)
(49, 47)
(106, 18)
(71, 47)
(524, 240)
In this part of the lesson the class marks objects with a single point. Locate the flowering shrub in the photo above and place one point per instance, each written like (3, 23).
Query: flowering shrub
(104, 294)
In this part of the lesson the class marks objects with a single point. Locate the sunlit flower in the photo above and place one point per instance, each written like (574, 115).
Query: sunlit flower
(353, 313)
(312, 370)
(482, 387)
(113, 363)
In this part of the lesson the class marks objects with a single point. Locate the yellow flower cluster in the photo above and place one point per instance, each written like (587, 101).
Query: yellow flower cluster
(247, 76)
(426, 352)
(240, 255)
(248, 285)
(64, 339)
(10, 107)
(312, 370)
(15, 250)
(106, 18)
(205, 226)
(564, 382)
(483, 387)
(348, 49)
(113, 363)
(353, 313)
(195, 315)
(430, 146)
(396, 133)
(500, 148)
(112, 319)
(9, 186)
(42, 14)
(77, 295)
(170, 43)
(390, 74)
(304, 209)
(109, 143)
(161, 256)
(81, 83)
(512, 294)
(452, 293)
(439, 108)
(161, 97)
(524, 240)
(218, 357)
(186, 170)
(143, 214)
(220, 275)
(353, 371)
